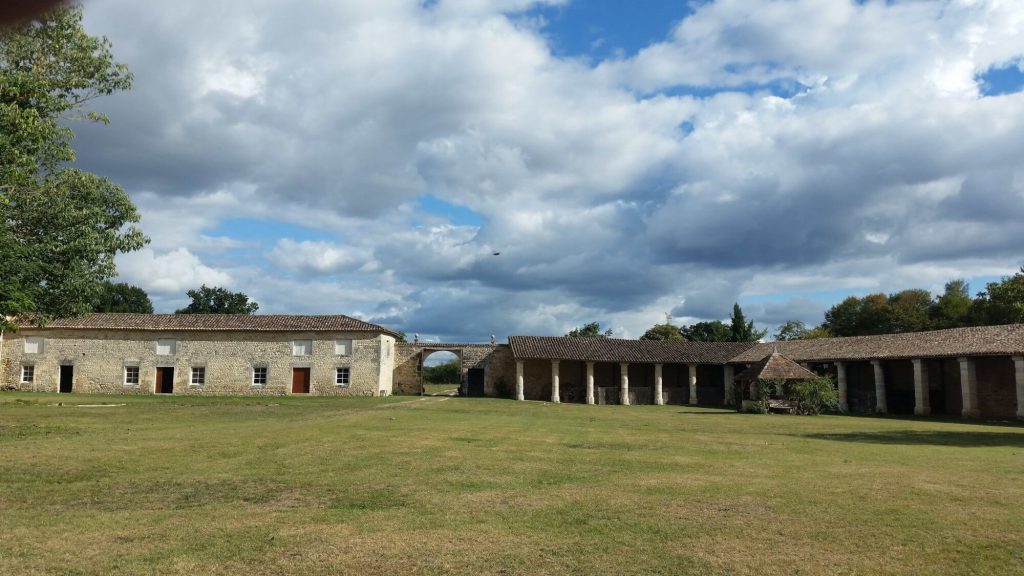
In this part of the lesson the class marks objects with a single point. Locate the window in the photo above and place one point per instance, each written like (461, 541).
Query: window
(131, 375)
(166, 347)
(343, 347)
(34, 345)
(28, 374)
(259, 376)
(199, 376)
(341, 378)
(302, 347)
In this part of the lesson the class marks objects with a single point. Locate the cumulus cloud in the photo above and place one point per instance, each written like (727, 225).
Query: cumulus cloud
(788, 148)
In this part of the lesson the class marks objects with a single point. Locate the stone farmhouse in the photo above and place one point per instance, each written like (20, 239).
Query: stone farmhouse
(973, 372)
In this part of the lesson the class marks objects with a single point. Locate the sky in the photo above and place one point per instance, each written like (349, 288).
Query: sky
(624, 160)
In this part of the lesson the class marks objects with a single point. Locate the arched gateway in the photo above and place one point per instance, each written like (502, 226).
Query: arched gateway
(485, 368)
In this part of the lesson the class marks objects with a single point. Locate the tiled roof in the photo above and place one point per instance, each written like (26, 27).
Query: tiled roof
(974, 341)
(218, 323)
(776, 367)
(614, 350)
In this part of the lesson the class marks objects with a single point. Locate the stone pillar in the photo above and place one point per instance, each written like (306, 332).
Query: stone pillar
(658, 400)
(922, 402)
(844, 405)
(969, 388)
(881, 407)
(693, 384)
(1018, 362)
(519, 380)
(624, 384)
(590, 382)
(729, 385)
(555, 398)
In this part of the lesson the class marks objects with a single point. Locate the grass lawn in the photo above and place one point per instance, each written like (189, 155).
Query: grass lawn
(177, 485)
(441, 389)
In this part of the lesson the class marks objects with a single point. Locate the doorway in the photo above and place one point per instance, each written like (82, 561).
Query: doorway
(164, 380)
(475, 382)
(300, 380)
(67, 377)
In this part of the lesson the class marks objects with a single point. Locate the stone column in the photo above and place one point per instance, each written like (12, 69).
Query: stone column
(969, 388)
(658, 400)
(590, 382)
(555, 398)
(922, 402)
(518, 380)
(693, 384)
(844, 405)
(624, 384)
(729, 385)
(1018, 362)
(880, 405)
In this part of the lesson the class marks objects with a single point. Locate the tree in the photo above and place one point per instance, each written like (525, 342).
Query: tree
(60, 227)
(591, 330)
(791, 330)
(741, 330)
(216, 300)
(909, 310)
(664, 332)
(714, 331)
(953, 308)
(1002, 302)
(123, 297)
(843, 319)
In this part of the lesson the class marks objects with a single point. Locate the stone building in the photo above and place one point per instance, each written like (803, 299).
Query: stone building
(202, 354)
(970, 372)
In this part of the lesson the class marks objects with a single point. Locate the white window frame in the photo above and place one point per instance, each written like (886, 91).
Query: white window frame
(344, 347)
(339, 372)
(138, 375)
(170, 343)
(38, 341)
(198, 382)
(303, 343)
(28, 373)
(266, 376)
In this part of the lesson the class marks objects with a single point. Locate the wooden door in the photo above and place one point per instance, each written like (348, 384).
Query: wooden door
(164, 380)
(300, 380)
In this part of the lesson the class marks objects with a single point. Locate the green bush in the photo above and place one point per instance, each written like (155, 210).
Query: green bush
(813, 396)
(764, 390)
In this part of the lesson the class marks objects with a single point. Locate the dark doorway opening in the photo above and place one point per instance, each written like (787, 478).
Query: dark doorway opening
(475, 382)
(300, 380)
(164, 380)
(67, 377)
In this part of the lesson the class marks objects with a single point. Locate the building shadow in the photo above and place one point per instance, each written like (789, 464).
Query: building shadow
(963, 439)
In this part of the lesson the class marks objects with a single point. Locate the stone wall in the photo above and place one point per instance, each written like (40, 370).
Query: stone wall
(494, 359)
(99, 358)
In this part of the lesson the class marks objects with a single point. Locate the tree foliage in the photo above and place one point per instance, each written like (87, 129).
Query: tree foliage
(216, 300)
(123, 297)
(591, 330)
(663, 332)
(447, 373)
(1001, 302)
(60, 227)
(742, 330)
(713, 331)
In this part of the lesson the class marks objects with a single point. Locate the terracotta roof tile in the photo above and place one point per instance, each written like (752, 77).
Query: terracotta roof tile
(776, 367)
(615, 350)
(218, 323)
(975, 341)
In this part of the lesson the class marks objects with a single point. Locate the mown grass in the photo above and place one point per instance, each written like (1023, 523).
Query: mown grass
(479, 486)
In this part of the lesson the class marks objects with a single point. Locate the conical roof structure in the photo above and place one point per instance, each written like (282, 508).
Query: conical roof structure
(775, 366)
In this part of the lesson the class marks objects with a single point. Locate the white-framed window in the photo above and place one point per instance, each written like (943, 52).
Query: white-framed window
(343, 347)
(341, 377)
(34, 345)
(131, 375)
(166, 347)
(28, 374)
(259, 376)
(198, 376)
(302, 347)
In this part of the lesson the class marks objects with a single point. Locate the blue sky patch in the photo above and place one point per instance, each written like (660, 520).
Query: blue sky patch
(997, 81)
(455, 214)
(266, 231)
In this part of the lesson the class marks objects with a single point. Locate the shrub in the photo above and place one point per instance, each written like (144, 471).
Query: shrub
(813, 396)
(764, 390)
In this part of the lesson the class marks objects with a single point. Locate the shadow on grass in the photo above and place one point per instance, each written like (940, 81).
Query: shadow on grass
(925, 438)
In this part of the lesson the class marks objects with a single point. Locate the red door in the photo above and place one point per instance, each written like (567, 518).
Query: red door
(300, 380)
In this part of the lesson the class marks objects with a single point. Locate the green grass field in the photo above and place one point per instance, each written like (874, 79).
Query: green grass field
(478, 486)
